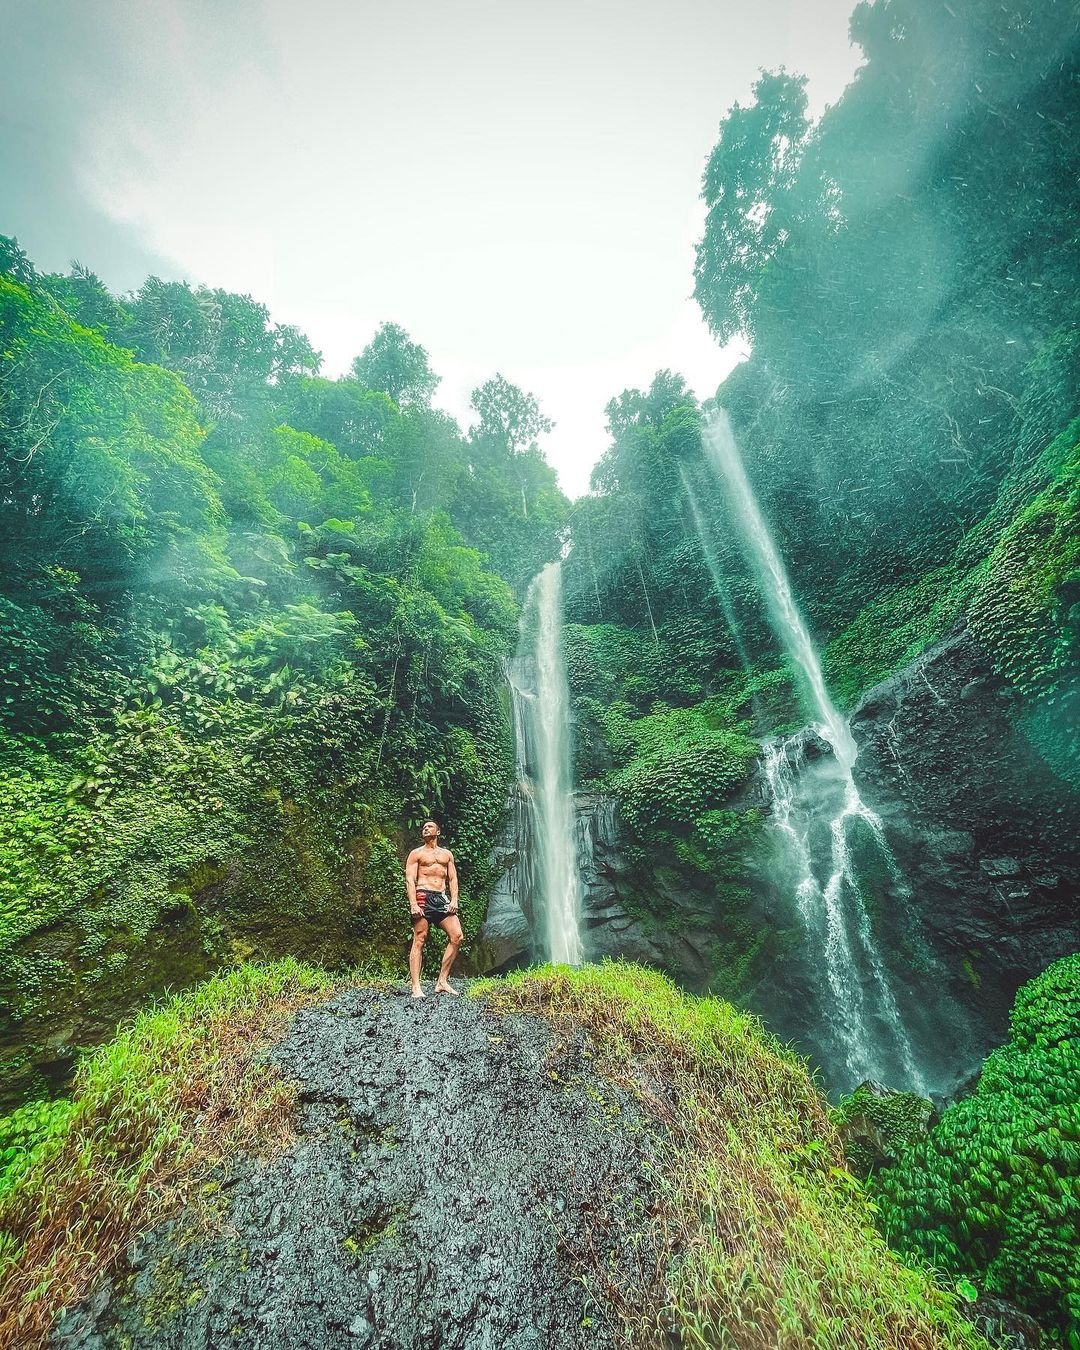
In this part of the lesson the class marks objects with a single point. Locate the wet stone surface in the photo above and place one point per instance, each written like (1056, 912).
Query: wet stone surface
(451, 1165)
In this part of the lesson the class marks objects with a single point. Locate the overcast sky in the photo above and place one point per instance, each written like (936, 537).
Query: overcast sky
(516, 184)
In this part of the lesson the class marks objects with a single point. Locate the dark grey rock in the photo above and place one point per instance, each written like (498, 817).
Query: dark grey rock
(985, 834)
(1005, 1325)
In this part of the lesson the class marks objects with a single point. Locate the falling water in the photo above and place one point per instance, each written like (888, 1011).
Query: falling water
(720, 588)
(829, 899)
(542, 726)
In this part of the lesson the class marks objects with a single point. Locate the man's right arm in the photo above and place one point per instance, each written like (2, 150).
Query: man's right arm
(412, 869)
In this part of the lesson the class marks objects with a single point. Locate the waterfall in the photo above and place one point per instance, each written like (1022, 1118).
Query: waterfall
(819, 816)
(541, 702)
(720, 588)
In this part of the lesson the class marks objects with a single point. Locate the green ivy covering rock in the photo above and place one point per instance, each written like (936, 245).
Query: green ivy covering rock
(993, 1193)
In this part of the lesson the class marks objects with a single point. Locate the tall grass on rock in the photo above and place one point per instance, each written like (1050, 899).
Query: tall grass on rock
(181, 1088)
(771, 1241)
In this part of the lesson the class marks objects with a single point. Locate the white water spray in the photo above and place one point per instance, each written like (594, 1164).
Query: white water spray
(832, 907)
(542, 727)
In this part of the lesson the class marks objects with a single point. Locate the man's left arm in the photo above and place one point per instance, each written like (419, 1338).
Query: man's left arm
(451, 877)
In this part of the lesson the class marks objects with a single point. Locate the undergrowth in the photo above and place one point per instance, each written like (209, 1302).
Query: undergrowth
(183, 1087)
(771, 1240)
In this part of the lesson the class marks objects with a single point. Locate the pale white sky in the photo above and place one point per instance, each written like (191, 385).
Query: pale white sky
(515, 184)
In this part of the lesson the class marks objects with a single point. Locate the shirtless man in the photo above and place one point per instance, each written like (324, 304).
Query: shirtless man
(429, 871)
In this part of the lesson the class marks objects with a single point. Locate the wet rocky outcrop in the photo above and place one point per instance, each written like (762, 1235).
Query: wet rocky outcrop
(505, 941)
(620, 904)
(454, 1173)
(985, 834)
(616, 921)
(1004, 1325)
(984, 895)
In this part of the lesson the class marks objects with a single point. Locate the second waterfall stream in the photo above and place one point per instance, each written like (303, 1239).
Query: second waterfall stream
(816, 816)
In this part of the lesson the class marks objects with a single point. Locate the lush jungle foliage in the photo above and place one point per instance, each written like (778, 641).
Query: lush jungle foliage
(905, 269)
(993, 1193)
(251, 630)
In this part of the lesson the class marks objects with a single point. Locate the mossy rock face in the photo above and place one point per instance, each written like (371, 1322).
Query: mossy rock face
(66, 986)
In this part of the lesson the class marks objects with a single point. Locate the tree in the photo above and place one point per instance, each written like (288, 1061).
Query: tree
(510, 418)
(398, 367)
(749, 188)
(345, 412)
(87, 299)
(224, 346)
(14, 263)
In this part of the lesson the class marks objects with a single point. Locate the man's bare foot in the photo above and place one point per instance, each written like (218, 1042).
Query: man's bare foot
(418, 993)
(443, 988)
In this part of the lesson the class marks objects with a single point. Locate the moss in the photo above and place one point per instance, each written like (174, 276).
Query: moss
(1016, 576)
(149, 892)
(1026, 610)
(891, 631)
(877, 1129)
(380, 1227)
(747, 948)
(168, 1295)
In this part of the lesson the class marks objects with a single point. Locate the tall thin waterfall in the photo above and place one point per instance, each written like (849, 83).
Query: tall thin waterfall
(720, 587)
(542, 727)
(815, 822)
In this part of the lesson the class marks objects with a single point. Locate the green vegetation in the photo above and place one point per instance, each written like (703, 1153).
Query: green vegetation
(252, 626)
(906, 420)
(772, 1240)
(993, 1193)
(876, 1129)
(153, 1112)
(252, 630)
(1016, 576)
(675, 765)
(26, 1135)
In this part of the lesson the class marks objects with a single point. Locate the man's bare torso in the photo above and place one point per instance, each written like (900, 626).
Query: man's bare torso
(432, 867)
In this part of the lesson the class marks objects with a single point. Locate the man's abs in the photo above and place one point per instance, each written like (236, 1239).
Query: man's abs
(431, 879)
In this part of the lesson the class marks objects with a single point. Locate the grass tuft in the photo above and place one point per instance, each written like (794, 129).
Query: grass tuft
(181, 1088)
(769, 1240)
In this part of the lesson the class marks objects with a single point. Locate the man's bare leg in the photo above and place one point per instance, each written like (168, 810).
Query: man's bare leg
(416, 956)
(455, 937)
